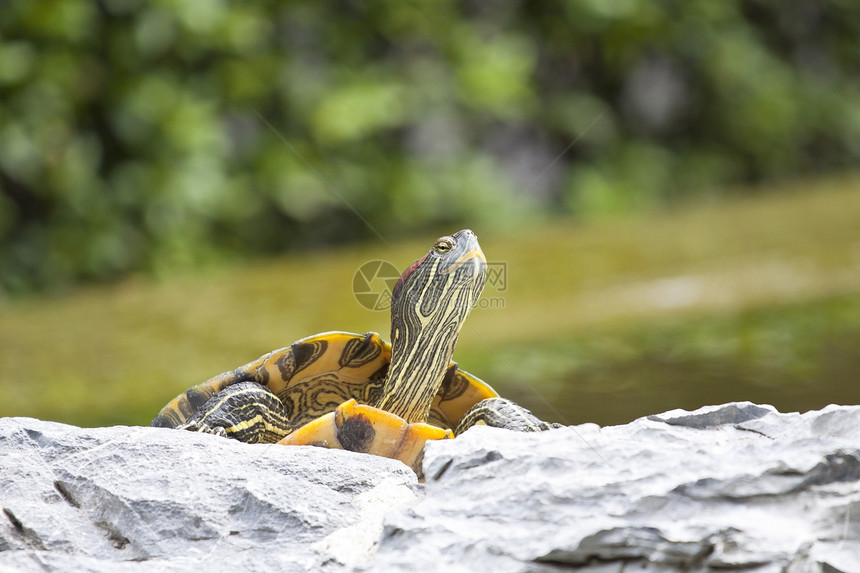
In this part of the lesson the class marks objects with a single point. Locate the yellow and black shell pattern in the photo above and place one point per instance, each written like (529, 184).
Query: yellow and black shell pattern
(314, 375)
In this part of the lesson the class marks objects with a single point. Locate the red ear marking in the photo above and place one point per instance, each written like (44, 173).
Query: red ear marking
(405, 274)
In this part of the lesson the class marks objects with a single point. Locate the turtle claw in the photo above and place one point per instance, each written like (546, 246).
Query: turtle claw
(216, 431)
(204, 429)
(362, 428)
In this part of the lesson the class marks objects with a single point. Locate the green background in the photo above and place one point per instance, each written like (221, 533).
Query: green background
(185, 185)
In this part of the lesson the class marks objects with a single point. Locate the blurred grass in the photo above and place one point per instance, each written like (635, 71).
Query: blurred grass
(750, 299)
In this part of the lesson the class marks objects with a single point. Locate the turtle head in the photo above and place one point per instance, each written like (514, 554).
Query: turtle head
(429, 305)
(450, 275)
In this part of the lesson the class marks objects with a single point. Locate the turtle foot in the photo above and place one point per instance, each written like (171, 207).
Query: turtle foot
(362, 428)
(502, 413)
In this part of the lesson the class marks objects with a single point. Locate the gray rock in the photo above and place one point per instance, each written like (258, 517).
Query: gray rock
(732, 487)
(738, 486)
(150, 499)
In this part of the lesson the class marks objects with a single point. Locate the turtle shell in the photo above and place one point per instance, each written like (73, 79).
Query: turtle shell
(314, 375)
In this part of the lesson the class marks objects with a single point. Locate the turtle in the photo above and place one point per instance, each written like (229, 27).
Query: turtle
(359, 392)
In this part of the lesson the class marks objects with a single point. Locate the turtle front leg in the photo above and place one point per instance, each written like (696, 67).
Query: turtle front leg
(502, 413)
(362, 428)
(246, 411)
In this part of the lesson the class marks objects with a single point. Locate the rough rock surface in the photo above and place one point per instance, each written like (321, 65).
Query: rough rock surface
(151, 499)
(732, 487)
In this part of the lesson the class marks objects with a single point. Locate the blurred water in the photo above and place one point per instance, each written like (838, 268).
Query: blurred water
(794, 357)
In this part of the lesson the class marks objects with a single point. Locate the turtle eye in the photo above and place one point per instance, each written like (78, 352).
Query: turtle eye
(443, 245)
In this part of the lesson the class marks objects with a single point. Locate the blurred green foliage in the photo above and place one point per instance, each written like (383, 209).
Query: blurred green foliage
(146, 135)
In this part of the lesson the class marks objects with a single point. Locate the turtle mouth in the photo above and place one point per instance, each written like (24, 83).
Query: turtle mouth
(473, 257)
